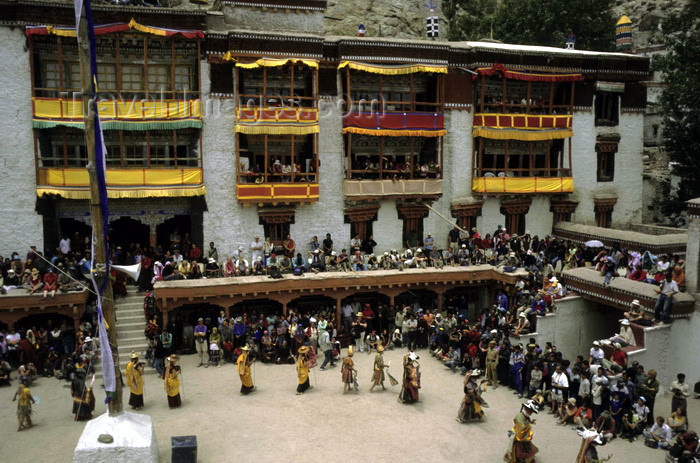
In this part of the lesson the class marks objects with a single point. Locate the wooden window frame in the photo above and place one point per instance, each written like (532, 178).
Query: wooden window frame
(555, 161)
(607, 109)
(410, 156)
(267, 175)
(505, 103)
(355, 101)
(264, 97)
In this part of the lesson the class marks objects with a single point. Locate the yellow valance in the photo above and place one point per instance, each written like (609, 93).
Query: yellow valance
(395, 133)
(119, 114)
(523, 185)
(74, 183)
(272, 62)
(522, 135)
(393, 70)
(275, 128)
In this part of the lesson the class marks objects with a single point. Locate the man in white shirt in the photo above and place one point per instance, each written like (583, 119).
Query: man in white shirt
(660, 432)
(559, 383)
(64, 245)
(680, 391)
(596, 354)
(256, 248)
(662, 310)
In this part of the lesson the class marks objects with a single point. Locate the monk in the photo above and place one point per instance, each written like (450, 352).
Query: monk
(171, 377)
(24, 405)
(411, 379)
(303, 370)
(348, 371)
(134, 379)
(521, 448)
(243, 365)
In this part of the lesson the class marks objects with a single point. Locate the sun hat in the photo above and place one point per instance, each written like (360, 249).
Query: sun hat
(303, 349)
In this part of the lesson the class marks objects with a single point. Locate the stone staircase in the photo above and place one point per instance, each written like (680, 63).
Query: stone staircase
(130, 326)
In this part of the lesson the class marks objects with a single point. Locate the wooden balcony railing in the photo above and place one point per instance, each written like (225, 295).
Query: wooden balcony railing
(392, 188)
(73, 183)
(277, 192)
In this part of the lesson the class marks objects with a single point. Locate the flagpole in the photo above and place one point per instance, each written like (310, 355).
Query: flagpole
(99, 256)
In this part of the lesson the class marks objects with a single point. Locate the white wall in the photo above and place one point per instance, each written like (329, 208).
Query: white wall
(684, 348)
(20, 225)
(326, 216)
(627, 185)
(226, 222)
(388, 228)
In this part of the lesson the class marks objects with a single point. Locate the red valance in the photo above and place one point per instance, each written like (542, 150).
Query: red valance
(527, 76)
(418, 124)
(111, 28)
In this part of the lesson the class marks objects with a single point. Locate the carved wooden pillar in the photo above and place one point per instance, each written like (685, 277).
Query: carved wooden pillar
(562, 209)
(466, 214)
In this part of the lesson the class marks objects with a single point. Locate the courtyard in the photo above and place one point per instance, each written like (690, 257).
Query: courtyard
(274, 424)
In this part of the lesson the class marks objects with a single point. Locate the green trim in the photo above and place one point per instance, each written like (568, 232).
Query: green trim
(119, 125)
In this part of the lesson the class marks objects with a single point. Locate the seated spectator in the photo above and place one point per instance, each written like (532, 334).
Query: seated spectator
(583, 418)
(678, 421)
(630, 426)
(662, 310)
(605, 424)
(659, 436)
(34, 282)
(567, 412)
(11, 282)
(212, 269)
(229, 268)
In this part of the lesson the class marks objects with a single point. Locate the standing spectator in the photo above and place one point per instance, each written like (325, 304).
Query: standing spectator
(200, 336)
(326, 347)
(681, 391)
(256, 249)
(662, 310)
(212, 252)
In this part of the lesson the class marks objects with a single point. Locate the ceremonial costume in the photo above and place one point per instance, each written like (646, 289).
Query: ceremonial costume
(411, 379)
(243, 365)
(303, 370)
(83, 398)
(521, 448)
(471, 408)
(171, 377)
(24, 406)
(378, 373)
(347, 371)
(134, 378)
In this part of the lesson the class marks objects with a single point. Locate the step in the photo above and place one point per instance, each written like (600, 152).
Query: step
(126, 337)
(129, 304)
(133, 324)
(124, 317)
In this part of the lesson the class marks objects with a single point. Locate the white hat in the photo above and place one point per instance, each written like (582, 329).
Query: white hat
(596, 343)
(635, 302)
(385, 253)
(413, 356)
(212, 260)
(617, 345)
(88, 339)
(625, 322)
(333, 253)
(312, 320)
(437, 315)
(494, 331)
(464, 245)
(522, 315)
(475, 372)
(531, 405)
(419, 250)
(553, 280)
(315, 251)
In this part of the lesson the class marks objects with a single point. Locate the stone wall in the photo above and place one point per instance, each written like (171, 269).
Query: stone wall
(628, 169)
(18, 220)
(273, 19)
(382, 18)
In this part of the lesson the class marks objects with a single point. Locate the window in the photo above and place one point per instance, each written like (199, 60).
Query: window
(158, 77)
(607, 109)
(362, 228)
(603, 211)
(277, 232)
(412, 217)
(276, 158)
(413, 92)
(183, 78)
(375, 158)
(107, 77)
(51, 78)
(290, 85)
(64, 147)
(513, 158)
(514, 213)
(498, 95)
(606, 167)
(132, 78)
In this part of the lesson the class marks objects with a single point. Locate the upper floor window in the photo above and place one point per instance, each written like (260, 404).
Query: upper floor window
(276, 158)
(513, 158)
(499, 95)
(376, 92)
(289, 85)
(371, 157)
(607, 109)
(129, 65)
(65, 147)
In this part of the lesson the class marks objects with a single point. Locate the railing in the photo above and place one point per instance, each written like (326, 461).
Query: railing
(122, 183)
(168, 113)
(277, 192)
(387, 188)
(277, 114)
(523, 185)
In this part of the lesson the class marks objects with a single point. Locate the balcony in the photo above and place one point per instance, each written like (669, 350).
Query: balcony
(395, 123)
(522, 185)
(120, 114)
(379, 189)
(277, 121)
(277, 193)
(73, 183)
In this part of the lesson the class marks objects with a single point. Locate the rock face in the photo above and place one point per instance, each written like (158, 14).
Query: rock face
(406, 18)
(382, 18)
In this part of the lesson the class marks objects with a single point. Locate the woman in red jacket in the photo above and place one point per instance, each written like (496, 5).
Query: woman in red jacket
(50, 284)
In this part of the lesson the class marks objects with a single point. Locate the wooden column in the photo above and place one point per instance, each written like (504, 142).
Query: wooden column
(338, 314)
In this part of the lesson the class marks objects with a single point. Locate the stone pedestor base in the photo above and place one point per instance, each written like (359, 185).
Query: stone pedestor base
(134, 440)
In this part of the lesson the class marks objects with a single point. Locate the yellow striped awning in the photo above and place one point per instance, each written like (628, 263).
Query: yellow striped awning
(271, 62)
(74, 183)
(394, 70)
(523, 185)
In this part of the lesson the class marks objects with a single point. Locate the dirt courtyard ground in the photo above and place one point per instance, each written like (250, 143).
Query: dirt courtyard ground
(274, 424)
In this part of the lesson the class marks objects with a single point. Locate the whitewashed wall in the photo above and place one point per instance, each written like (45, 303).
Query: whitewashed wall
(20, 225)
